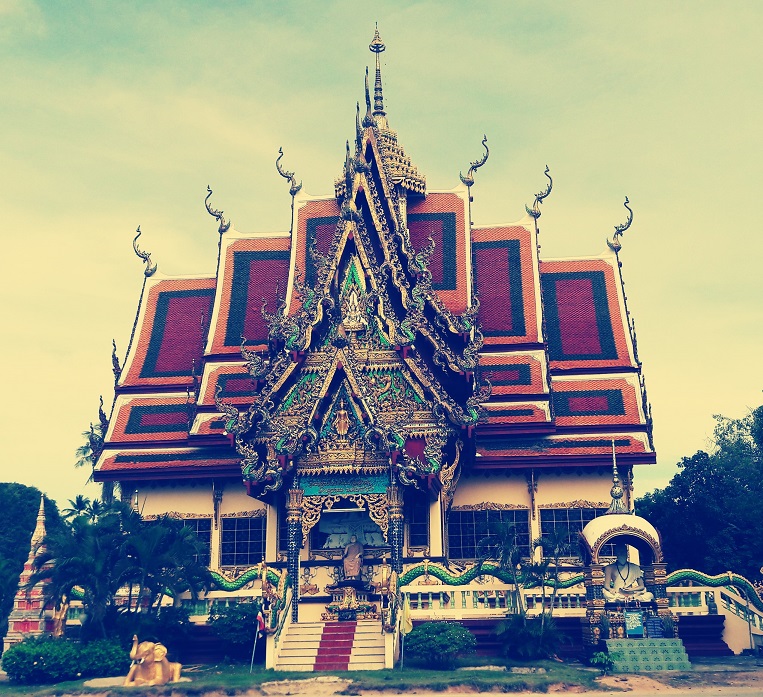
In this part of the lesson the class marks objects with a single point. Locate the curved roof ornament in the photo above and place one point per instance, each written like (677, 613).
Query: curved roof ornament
(150, 269)
(294, 188)
(377, 46)
(115, 367)
(368, 119)
(224, 225)
(474, 166)
(614, 244)
(540, 196)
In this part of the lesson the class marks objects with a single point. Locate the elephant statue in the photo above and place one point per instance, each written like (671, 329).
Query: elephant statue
(150, 665)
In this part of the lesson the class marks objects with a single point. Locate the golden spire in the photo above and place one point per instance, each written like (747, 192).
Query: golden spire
(377, 46)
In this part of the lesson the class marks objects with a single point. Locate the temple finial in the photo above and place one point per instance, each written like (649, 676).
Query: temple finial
(39, 529)
(614, 244)
(540, 196)
(294, 188)
(150, 269)
(377, 46)
(616, 492)
(474, 166)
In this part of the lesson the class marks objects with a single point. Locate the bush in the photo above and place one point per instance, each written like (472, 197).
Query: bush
(43, 660)
(236, 626)
(529, 638)
(439, 644)
(603, 661)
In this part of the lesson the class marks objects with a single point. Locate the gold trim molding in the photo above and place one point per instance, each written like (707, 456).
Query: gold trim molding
(176, 515)
(491, 506)
(580, 503)
(256, 513)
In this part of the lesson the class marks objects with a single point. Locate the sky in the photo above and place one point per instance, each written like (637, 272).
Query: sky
(116, 115)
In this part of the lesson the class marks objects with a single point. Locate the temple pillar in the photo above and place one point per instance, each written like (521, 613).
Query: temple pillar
(395, 502)
(294, 549)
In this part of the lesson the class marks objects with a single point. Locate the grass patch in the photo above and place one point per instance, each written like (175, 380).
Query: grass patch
(235, 679)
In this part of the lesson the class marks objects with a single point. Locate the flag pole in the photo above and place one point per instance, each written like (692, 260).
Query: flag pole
(254, 647)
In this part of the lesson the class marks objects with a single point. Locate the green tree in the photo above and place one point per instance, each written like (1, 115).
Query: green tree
(709, 515)
(85, 554)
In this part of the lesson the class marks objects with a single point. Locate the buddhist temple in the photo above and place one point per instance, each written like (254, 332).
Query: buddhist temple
(384, 369)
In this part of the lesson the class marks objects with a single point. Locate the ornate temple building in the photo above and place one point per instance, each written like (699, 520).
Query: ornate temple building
(384, 369)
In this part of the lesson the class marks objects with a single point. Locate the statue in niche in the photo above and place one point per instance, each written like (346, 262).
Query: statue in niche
(624, 580)
(353, 559)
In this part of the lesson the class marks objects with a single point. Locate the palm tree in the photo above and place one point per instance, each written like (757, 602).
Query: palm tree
(78, 506)
(501, 546)
(83, 554)
(554, 545)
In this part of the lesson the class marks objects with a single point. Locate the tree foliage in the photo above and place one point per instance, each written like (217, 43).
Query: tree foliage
(108, 547)
(710, 513)
(439, 644)
(18, 514)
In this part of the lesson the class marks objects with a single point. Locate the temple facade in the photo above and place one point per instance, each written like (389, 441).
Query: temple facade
(384, 369)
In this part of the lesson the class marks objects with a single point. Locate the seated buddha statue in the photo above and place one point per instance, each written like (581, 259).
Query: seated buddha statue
(624, 580)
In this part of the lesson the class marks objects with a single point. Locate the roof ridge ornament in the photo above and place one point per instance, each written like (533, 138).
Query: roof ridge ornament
(616, 492)
(294, 188)
(368, 119)
(150, 269)
(377, 46)
(614, 244)
(224, 225)
(474, 166)
(534, 212)
(115, 367)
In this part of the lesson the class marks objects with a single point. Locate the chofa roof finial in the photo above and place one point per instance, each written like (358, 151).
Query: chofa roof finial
(540, 196)
(614, 244)
(474, 166)
(150, 269)
(616, 492)
(289, 176)
(377, 46)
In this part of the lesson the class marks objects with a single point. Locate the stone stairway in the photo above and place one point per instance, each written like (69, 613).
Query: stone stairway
(647, 655)
(312, 646)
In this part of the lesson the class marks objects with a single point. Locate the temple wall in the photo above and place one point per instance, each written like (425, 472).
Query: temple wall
(503, 490)
(571, 489)
(235, 500)
(188, 500)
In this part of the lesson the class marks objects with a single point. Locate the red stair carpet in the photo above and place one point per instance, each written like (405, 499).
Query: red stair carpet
(335, 646)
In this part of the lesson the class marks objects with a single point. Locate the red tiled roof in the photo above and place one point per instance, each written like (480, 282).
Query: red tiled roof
(585, 321)
(505, 277)
(172, 332)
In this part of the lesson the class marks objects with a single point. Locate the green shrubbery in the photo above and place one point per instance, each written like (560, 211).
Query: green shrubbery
(236, 626)
(530, 638)
(439, 644)
(55, 660)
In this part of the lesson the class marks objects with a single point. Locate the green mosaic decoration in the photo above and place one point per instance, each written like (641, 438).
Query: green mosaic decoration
(647, 655)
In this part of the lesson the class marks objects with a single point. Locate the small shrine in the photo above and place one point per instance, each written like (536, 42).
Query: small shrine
(626, 601)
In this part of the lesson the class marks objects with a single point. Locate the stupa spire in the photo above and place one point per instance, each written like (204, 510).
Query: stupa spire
(616, 492)
(377, 46)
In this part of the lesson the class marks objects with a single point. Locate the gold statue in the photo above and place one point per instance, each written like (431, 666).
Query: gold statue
(150, 665)
(353, 558)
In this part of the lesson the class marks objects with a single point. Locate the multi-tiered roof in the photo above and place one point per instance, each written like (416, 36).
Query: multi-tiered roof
(366, 340)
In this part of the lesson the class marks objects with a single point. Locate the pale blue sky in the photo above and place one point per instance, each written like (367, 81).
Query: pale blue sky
(119, 114)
